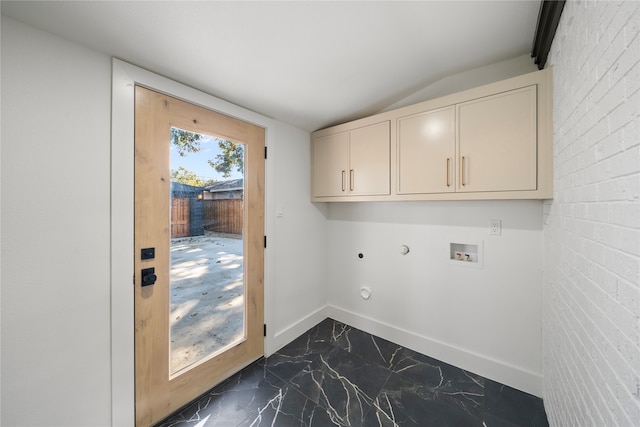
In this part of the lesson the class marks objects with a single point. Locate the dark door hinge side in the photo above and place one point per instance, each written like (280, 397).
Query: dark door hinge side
(265, 329)
(265, 242)
(265, 152)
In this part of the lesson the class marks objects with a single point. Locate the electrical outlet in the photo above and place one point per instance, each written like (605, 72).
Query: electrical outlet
(495, 227)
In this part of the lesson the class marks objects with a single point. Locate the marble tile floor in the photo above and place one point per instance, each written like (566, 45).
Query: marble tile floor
(336, 375)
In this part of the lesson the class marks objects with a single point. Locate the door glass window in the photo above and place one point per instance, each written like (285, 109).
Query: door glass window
(207, 302)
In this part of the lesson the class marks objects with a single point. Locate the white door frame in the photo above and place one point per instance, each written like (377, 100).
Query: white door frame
(124, 78)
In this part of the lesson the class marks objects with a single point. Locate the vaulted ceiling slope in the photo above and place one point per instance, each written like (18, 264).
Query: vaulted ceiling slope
(310, 64)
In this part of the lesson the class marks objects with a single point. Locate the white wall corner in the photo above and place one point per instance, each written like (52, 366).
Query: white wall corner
(468, 79)
(513, 376)
(297, 328)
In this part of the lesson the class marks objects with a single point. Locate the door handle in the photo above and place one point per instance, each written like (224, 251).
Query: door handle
(464, 181)
(448, 174)
(149, 276)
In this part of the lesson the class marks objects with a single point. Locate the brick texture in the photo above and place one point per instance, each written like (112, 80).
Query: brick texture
(591, 301)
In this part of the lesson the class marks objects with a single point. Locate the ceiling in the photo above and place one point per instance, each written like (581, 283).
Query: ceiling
(309, 64)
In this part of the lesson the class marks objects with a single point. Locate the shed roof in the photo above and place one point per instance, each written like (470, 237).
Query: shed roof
(229, 185)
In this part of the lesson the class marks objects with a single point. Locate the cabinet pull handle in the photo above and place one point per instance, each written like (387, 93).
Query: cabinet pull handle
(343, 177)
(463, 177)
(448, 161)
(351, 180)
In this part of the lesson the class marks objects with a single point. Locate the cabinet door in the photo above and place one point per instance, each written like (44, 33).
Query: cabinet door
(426, 152)
(330, 165)
(369, 159)
(498, 142)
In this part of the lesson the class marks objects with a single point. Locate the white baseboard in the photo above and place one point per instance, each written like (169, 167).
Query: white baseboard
(512, 376)
(293, 331)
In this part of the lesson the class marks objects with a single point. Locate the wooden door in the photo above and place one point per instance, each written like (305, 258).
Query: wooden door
(497, 142)
(158, 391)
(426, 152)
(369, 160)
(180, 213)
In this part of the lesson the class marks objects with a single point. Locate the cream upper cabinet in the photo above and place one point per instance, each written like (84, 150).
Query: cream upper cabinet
(331, 163)
(497, 142)
(369, 168)
(352, 163)
(490, 142)
(426, 152)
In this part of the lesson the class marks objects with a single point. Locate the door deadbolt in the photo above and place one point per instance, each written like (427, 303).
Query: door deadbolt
(149, 276)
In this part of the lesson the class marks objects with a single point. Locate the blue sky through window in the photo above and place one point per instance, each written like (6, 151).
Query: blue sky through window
(198, 162)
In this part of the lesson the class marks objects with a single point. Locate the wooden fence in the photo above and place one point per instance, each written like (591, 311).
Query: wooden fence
(223, 216)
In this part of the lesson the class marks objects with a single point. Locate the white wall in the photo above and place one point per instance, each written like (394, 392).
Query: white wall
(591, 300)
(484, 320)
(55, 231)
(469, 79)
(65, 360)
(298, 241)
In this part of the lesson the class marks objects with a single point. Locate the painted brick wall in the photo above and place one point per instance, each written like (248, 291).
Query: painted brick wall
(591, 301)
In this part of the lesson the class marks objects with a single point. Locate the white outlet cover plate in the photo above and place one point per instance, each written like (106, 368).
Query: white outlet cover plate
(495, 227)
